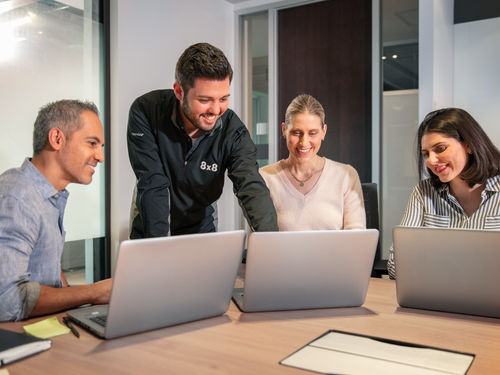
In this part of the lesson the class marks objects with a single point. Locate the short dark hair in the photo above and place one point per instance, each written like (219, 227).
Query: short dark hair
(201, 60)
(484, 160)
(62, 114)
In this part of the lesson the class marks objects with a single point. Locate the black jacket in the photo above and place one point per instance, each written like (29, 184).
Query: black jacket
(173, 178)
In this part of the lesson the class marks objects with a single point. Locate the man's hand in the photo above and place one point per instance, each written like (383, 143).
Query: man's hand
(57, 299)
(102, 291)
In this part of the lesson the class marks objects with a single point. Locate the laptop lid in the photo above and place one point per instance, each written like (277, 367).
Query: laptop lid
(452, 270)
(307, 269)
(169, 280)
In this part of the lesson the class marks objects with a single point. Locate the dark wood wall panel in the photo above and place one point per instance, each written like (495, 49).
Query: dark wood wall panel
(324, 49)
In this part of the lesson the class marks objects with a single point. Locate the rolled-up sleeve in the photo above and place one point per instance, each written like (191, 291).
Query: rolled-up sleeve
(18, 234)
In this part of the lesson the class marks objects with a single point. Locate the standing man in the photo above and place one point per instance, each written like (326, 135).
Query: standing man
(180, 143)
(67, 145)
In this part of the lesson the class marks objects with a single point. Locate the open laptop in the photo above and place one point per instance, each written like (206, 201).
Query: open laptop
(452, 270)
(165, 281)
(307, 269)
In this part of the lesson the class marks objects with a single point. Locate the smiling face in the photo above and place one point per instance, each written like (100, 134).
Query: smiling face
(303, 136)
(203, 104)
(446, 157)
(82, 151)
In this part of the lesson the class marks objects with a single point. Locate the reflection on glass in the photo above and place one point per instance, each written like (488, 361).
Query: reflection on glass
(51, 50)
(400, 64)
(257, 66)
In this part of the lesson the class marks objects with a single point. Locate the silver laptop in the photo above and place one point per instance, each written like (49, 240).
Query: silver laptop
(450, 270)
(308, 269)
(165, 281)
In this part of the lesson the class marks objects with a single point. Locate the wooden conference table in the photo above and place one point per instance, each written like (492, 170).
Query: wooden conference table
(254, 343)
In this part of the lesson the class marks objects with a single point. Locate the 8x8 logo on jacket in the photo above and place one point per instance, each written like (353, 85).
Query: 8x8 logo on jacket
(208, 167)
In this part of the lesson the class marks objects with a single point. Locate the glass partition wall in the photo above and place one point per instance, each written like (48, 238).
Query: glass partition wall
(255, 55)
(51, 50)
(399, 39)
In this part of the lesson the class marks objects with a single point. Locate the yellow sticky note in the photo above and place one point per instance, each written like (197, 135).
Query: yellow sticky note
(4, 372)
(46, 328)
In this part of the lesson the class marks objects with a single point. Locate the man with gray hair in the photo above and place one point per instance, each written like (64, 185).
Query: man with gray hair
(67, 145)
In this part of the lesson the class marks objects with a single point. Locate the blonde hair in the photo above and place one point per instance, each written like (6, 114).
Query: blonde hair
(304, 103)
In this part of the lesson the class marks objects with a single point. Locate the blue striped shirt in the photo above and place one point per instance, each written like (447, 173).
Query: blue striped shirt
(431, 207)
(31, 239)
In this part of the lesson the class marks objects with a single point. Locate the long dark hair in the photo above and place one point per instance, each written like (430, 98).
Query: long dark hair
(484, 160)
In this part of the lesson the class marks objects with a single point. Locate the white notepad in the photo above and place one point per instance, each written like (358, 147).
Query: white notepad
(344, 353)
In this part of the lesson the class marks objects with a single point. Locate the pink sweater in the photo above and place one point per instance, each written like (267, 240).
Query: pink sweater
(335, 202)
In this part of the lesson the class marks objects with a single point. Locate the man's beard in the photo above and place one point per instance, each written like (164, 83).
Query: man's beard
(196, 122)
(189, 115)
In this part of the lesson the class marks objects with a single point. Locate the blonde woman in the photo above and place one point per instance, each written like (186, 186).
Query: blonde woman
(311, 192)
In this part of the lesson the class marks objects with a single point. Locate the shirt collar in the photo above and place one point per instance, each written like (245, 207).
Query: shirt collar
(443, 188)
(492, 184)
(40, 182)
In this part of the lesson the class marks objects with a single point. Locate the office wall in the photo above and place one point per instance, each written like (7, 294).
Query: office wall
(435, 55)
(147, 37)
(477, 72)
(458, 64)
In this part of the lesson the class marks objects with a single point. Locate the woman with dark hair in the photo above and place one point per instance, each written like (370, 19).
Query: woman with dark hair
(463, 165)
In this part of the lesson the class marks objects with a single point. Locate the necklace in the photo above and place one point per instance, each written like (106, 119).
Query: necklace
(301, 182)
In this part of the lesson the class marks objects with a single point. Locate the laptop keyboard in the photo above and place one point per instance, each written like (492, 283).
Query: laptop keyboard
(101, 320)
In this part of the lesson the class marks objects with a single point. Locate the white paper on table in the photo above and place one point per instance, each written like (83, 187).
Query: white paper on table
(343, 353)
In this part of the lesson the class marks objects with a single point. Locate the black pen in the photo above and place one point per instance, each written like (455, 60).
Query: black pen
(71, 326)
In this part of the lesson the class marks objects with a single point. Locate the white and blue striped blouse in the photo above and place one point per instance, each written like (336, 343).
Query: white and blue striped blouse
(431, 207)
